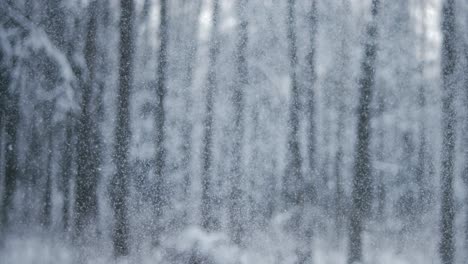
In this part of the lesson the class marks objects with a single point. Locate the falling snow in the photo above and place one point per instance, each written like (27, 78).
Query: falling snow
(233, 131)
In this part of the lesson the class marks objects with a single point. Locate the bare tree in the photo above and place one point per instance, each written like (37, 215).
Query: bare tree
(66, 171)
(449, 60)
(465, 140)
(344, 59)
(191, 47)
(209, 221)
(361, 193)
(311, 92)
(46, 217)
(10, 112)
(293, 179)
(119, 185)
(160, 159)
(85, 206)
(236, 197)
(425, 163)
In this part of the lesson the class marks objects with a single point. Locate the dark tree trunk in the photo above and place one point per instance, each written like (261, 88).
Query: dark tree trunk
(293, 191)
(340, 214)
(324, 167)
(361, 193)
(209, 220)
(187, 126)
(236, 197)
(66, 173)
(4, 84)
(46, 216)
(87, 173)
(310, 181)
(465, 145)
(446, 246)
(423, 159)
(293, 180)
(464, 175)
(119, 185)
(311, 80)
(33, 172)
(254, 209)
(160, 159)
(46, 213)
(380, 185)
(12, 116)
(55, 27)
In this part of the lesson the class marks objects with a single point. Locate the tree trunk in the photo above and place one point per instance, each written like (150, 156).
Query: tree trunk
(119, 185)
(421, 171)
(66, 171)
(305, 254)
(293, 180)
(209, 220)
(4, 84)
(446, 246)
(236, 197)
(465, 146)
(293, 191)
(33, 172)
(187, 126)
(46, 214)
(340, 214)
(12, 116)
(160, 159)
(361, 193)
(380, 185)
(311, 107)
(87, 172)
(47, 202)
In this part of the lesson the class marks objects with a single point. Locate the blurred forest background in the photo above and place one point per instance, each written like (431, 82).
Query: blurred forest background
(233, 131)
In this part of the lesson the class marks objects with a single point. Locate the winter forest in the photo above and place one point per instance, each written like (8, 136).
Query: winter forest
(234, 131)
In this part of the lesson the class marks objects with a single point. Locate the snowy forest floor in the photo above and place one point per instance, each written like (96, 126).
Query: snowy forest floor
(265, 247)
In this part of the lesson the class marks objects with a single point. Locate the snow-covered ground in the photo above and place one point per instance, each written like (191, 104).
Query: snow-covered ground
(194, 244)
